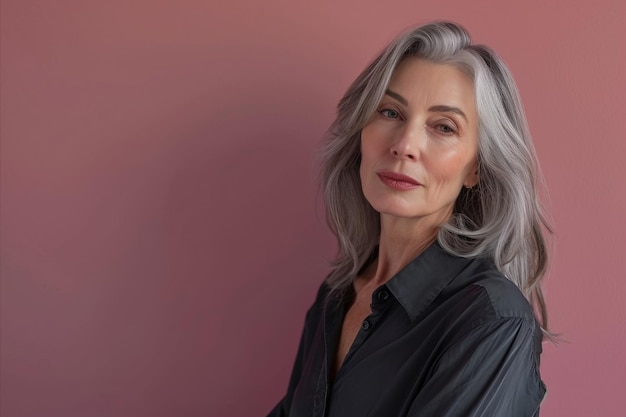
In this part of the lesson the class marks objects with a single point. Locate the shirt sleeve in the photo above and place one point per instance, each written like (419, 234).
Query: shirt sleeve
(283, 407)
(493, 371)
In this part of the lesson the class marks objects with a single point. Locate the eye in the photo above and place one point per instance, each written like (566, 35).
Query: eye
(389, 113)
(445, 128)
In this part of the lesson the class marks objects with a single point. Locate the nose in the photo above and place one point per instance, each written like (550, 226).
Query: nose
(406, 144)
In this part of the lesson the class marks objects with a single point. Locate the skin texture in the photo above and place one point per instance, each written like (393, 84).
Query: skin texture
(425, 127)
(436, 148)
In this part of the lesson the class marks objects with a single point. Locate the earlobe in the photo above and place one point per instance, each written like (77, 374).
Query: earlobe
(472, 179)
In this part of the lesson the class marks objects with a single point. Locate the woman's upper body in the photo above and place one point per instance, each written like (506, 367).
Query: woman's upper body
(446, 336)
(429, 177)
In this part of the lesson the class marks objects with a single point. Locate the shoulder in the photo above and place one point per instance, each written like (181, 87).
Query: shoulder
(506, 298)
(481, 299)
(326, 297)
(323, 294)
(486, 285)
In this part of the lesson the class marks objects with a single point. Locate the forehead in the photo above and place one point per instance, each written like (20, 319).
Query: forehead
(418, 80)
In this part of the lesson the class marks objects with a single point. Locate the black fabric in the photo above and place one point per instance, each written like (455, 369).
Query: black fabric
(447, 336)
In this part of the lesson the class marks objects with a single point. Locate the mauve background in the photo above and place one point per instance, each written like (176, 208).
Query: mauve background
(160, 237)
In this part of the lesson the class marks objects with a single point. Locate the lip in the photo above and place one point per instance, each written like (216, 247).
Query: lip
(397, 181)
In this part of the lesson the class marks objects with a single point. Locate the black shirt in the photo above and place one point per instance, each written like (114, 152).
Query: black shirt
(447, 336)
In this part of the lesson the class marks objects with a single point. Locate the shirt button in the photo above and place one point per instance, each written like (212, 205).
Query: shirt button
(383, 296)
(365, 325)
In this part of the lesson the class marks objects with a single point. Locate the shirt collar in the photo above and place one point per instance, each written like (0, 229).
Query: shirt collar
(418, 283)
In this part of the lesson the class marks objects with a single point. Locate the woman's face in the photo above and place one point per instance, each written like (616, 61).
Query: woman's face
(420, 146)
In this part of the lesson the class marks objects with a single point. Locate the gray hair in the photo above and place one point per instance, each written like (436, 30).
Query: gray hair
(501, 217)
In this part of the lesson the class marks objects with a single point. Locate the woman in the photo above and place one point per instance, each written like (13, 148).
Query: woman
(429, 176)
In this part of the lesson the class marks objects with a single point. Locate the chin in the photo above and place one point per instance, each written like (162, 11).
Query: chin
(411, 210)
(396, 210)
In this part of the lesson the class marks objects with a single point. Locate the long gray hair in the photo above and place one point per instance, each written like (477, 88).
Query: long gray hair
(501, 217)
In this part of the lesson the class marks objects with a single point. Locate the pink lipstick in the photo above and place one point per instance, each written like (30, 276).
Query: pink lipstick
(397, 181)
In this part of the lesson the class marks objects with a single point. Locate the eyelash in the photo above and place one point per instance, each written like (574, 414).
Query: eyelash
(383, 111)
(450, 130)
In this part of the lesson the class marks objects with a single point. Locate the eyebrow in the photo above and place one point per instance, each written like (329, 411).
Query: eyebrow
(439, 108)
(397, 97)
(445, 109)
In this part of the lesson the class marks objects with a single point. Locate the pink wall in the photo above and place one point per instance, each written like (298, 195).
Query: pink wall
(160, 242)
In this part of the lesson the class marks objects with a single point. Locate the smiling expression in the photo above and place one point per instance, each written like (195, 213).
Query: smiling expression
(420, 146)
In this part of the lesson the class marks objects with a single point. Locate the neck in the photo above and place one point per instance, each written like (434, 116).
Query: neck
(401, 241)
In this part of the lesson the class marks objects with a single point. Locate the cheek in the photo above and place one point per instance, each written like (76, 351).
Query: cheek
(364, 161)
(366, 168)
(369, 151)
(451, 169)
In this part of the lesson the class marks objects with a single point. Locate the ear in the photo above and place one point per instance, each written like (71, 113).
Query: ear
(472, 177)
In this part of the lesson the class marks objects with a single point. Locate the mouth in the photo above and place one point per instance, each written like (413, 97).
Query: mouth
(397, 181)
